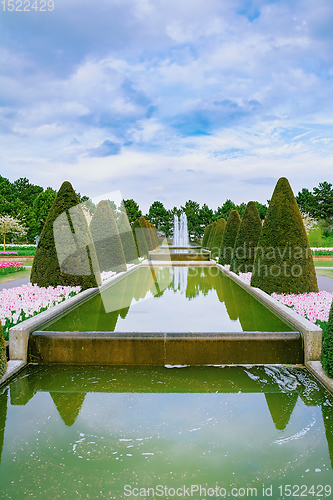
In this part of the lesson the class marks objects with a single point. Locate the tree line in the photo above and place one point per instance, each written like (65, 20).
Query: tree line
(30, 204)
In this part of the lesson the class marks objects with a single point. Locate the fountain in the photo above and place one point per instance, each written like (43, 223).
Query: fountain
(181, 248)
(180, 231)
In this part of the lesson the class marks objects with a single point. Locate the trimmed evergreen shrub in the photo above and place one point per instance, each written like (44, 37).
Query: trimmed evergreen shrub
(283, 262)
(217, 240)
(65, 254)
(206, 236)
(327, 348)
(105, 235)
(127, 239)
(140, 239)
(144, 224)
(3, 357)
(229, 238)
(211, 235)
(247, 240)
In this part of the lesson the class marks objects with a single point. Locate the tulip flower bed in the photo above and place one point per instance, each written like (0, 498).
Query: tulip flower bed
(8, 253)
(10, 267)
(312, 306)
(20, 303)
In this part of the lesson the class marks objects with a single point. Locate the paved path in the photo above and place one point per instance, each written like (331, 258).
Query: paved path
(14, 283)
(325, 284)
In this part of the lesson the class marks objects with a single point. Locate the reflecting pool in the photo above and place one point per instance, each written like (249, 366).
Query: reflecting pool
(181, 299)
(101, 432)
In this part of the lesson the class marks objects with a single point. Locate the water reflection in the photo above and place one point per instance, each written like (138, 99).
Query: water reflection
(194, 294)
(288, 393)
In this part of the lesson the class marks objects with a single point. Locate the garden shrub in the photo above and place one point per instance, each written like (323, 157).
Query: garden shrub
(229, 238)
(127, 239)
(3, 357)
(217, 240)
(283, 262)
(105, 235)
(247, 239)
(211, 235)
(145, 225)
(140, 239)
(206, 236)
(327, 347)
(69, 258)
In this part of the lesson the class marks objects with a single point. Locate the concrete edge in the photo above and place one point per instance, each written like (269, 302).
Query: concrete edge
(19, 334)
(317, 370)
(312, 334)
(13, 367)
(190, 263)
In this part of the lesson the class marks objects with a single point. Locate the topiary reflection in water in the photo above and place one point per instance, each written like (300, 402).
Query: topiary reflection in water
(89, 431)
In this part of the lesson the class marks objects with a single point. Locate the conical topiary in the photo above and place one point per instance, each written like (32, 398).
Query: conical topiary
(3, 357)
(284, 262)
(217, 240)
(211, 235)
(105, 235)
(229, 238)
(206, 236)
(127, 239)
(140, 239)
(327, 348)
(144, 224)
(247, 239)
(65, 254)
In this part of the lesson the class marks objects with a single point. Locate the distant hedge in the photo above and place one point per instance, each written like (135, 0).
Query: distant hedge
(211, 235)
(284, 262)
(229, 238)
(327, 347)
(65, 254)
(247, 239)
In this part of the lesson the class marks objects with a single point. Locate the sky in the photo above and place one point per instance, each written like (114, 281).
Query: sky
(168, 100)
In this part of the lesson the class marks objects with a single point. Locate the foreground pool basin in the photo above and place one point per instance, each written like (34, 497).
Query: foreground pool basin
(168, 315)
(101, 432)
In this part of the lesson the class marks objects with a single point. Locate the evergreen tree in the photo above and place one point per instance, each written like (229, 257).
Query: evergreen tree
(217, 240)
(283, 262)
(247, 239)
(127, 239)
(144, 224)
(3, 357)
(229, 238)
(65, 254)
(105, 235)
(327, 348)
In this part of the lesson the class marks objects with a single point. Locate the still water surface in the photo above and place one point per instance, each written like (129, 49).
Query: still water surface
(100, 432)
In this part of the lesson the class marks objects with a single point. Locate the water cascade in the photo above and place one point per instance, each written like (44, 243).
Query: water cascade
(180, 231)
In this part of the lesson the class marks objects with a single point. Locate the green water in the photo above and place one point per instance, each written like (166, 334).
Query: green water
(100, 432)
(171, 299)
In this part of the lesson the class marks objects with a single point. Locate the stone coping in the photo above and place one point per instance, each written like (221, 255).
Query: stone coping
(13, 367)
(317, 370)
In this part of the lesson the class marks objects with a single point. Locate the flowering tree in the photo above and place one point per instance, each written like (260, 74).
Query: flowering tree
(309, 222)
(10, 225)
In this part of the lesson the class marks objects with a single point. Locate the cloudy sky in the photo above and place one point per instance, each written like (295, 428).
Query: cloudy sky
(168, 100)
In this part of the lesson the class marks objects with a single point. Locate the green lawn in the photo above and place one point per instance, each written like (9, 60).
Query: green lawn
(323, 263)
(15, 276)
(323, 272)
